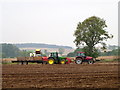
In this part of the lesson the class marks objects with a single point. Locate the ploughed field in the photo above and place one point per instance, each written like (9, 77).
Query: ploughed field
(98, 75)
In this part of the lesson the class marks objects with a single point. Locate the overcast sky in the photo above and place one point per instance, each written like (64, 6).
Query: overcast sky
(53, 21)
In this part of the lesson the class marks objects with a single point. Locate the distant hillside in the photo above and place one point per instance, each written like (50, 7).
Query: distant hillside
(39, 45)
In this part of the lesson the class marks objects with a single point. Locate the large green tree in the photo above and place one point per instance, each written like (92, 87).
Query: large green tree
(90, 32)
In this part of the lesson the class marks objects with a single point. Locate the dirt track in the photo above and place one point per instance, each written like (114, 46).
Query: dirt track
(61, 76)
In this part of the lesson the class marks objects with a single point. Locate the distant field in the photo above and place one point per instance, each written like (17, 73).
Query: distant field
(108, 57)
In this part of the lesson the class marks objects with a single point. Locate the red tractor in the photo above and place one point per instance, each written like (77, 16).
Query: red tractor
(80, 58)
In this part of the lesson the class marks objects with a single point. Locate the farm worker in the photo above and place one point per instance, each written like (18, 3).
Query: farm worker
(31, 55)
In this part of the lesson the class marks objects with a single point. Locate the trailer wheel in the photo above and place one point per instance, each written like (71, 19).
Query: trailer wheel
(90, 62)
(78, 61)
(24, 63)
(51, 61)
(62, 61)
(20, 63)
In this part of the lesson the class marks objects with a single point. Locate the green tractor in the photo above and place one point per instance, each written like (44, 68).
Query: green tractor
(55, 59)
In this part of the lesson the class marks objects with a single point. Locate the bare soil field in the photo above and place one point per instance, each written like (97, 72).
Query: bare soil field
(98, 75)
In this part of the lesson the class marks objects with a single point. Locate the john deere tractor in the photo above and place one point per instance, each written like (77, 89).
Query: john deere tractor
(55, 59)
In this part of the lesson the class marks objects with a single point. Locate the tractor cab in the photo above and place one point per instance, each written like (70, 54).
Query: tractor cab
(80, 54)
(54, 54)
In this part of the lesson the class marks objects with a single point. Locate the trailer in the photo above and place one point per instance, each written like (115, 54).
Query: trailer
(26, 60)
(33, 58)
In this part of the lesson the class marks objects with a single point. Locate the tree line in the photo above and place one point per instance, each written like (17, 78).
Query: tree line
(11, 51)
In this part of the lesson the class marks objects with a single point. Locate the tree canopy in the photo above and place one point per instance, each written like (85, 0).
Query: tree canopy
(90, 32)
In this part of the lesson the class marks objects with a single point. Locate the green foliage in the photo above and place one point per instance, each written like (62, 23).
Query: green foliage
(85, 49)
(95, 53)
(73, 54)
(9, 50)
(24, 53)
(46, 53)
(114, 52)
(78, 49)
(91, 32)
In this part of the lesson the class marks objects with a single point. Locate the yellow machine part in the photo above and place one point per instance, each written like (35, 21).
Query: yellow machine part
(37, 49)
(62, 62)
(51, 61)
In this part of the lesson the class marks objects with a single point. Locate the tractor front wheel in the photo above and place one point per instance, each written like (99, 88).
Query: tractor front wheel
(90, 62)
(62, 61)
(78, 61)
(51, 61)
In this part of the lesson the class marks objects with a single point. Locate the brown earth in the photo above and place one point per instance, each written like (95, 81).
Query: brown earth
(98, 75)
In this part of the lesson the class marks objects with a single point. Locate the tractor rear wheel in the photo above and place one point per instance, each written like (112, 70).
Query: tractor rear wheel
(62, 61)
(90, 62)
(51, 61)
(78, 61)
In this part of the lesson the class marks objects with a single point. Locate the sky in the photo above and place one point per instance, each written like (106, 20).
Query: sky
(53, 21)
